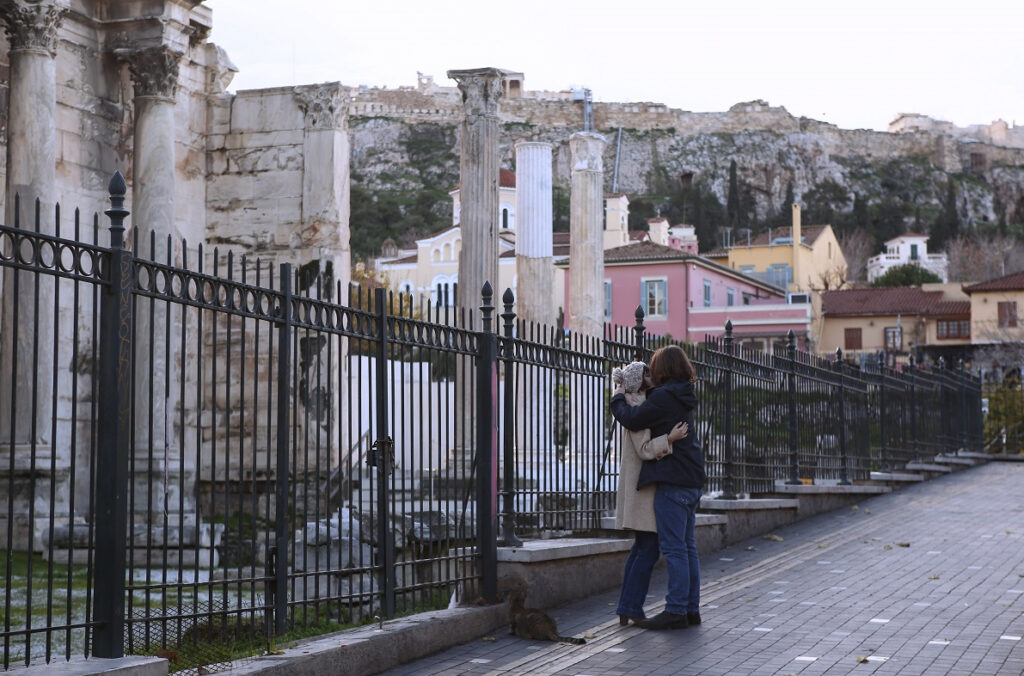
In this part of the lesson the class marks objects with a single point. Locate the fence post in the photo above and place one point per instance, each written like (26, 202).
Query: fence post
(114, 435)
(279, 584)
(729, 480)
(487, 449)
(844, 467)
(794, 460)
(940, 378)
(508, 489)
(913, 411)
(881, 410)
(962, 388)
(638, 333)
(384, 459)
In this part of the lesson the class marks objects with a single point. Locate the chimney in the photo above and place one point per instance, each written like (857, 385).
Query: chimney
(795, 232)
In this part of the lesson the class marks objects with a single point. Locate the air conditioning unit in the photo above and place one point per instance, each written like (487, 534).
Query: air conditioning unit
(795, 298)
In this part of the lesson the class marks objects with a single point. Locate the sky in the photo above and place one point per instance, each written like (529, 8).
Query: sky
(853, 63)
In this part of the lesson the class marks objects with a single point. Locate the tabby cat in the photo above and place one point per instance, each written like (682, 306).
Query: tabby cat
(533, 624)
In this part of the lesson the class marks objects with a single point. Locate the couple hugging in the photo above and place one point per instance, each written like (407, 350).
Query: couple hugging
(661, 476)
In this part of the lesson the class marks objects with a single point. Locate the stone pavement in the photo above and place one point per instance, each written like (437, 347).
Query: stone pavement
(926, 580)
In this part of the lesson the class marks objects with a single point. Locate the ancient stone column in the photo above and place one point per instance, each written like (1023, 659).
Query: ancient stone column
(478, 259)
(31, 165)
(324, 237)
(534, 300)
(26, 349)
(586, 236)
(478, 173)
(158, 365)
(155, 75)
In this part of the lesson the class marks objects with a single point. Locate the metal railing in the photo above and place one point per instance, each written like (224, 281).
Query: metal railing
(201, 450)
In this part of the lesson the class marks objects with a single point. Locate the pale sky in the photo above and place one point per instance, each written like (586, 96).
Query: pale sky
(854, 63)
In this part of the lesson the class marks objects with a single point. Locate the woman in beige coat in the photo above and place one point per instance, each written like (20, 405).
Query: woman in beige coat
(634, 509)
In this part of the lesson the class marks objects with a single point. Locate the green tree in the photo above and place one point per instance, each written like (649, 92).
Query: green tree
(732, 204)
(947, 225)
(909, 274)
(824, 200)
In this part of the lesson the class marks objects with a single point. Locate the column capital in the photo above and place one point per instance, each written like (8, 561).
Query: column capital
(481, 89)
(154, 70)
(586, 148)
(323, 106)
(33, 24)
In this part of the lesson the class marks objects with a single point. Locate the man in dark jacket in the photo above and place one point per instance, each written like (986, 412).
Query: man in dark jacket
(679, 477)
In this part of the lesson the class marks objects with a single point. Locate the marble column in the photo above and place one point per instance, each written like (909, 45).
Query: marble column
(324, 236)
(478, 172)
(158, 463)
(478, 259)
(155, 75)
(586, 235)
(31, 166)
(534, 299)
(26, 348)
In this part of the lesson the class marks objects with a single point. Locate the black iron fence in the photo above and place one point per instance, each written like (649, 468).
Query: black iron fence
(202, 454)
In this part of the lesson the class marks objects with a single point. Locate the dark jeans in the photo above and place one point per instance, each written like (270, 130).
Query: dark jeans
(675, 511)
(636, 577)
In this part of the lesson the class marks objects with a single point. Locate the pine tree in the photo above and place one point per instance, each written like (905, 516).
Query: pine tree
(732, 205)
(947, 225)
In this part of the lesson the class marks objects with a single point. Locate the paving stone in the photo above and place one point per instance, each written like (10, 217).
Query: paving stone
(928, 577)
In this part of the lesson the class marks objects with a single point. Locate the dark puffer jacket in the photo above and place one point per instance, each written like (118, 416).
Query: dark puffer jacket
(666, 405)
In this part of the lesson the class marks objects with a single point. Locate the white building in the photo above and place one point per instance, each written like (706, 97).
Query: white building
(907, 248)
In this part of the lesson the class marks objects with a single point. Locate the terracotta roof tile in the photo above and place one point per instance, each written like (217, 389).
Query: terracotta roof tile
(1011, 282)
(644, 251)
(908, 300)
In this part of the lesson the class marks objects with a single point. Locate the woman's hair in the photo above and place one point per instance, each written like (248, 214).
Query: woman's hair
(671, 363)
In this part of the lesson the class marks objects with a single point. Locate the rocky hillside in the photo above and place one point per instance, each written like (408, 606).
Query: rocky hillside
(678, 164)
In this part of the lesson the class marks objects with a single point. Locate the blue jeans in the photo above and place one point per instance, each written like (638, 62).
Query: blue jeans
(675, 511)
(636, 577)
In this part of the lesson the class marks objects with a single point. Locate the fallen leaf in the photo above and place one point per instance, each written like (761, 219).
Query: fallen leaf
(1009, 532)
(590, 636)
(855, 507)
(822, 546)
(861, 659)
(933, 577)
(772, 536)
(275, 651)
(887, 547)
(902, 544)
(488, 639)
(867, 511)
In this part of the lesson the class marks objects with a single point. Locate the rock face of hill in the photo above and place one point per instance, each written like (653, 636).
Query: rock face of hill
(405, 157)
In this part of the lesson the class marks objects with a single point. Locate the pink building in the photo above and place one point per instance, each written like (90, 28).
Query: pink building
(690, 297)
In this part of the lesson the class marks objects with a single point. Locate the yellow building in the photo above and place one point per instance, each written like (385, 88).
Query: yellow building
(799, 258)
(933, 319)
(995, 305)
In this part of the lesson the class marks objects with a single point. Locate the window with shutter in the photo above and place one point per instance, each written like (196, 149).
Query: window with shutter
(1007, 314)
(852, 339)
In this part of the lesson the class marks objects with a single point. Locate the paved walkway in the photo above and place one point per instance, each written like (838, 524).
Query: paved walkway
(927, 580)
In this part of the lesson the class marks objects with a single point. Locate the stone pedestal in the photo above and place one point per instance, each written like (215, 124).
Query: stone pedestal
(39, 488)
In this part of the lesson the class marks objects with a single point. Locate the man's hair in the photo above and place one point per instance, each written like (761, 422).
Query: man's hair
(671, 363)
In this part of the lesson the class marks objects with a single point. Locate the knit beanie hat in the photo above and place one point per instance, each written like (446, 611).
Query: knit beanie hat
(631, 376)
